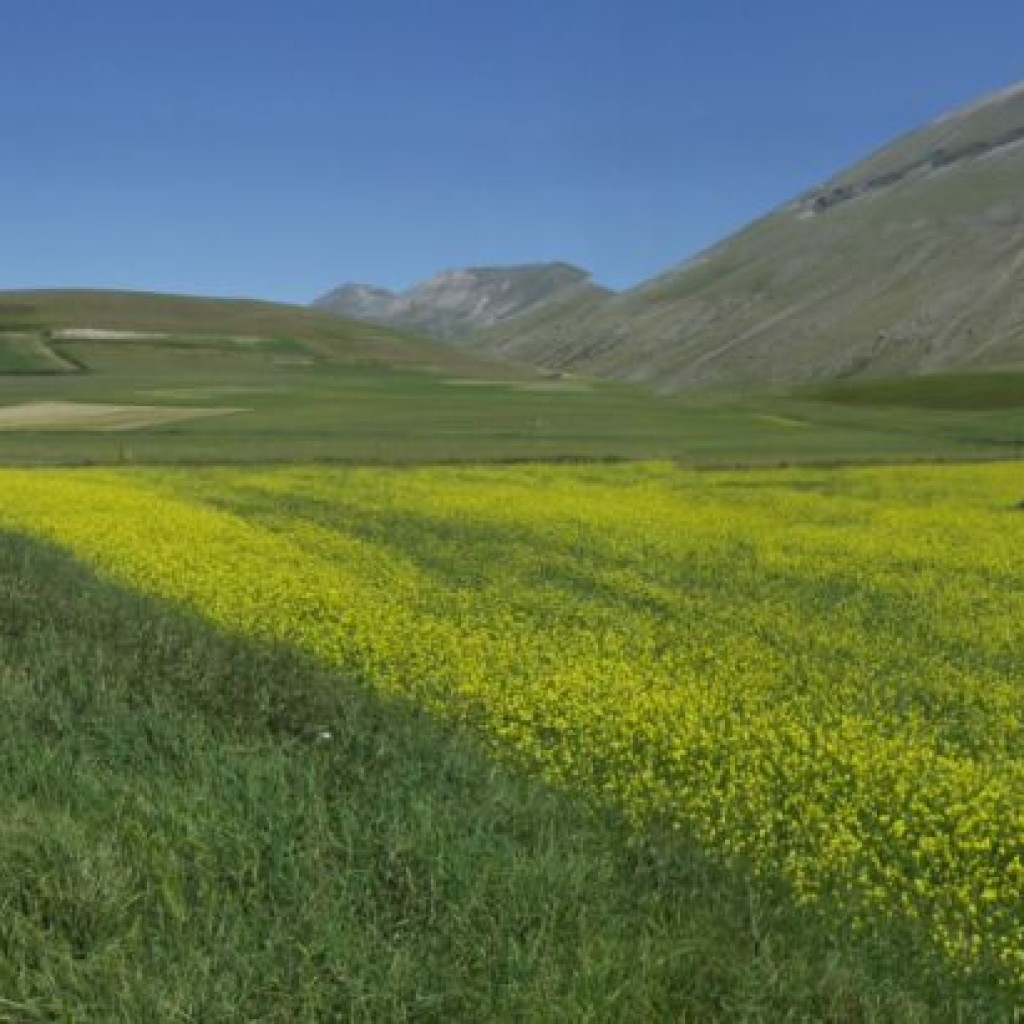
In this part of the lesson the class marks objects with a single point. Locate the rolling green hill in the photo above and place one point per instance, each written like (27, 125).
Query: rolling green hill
(67, 319)
(910, 262)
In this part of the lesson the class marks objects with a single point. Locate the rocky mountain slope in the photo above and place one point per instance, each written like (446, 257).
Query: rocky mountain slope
(910, 262)
(455, 303)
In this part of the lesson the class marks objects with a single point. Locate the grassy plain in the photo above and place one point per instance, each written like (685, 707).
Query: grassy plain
(794, 696)
(313, 386)
(303, 405)
(965, 392)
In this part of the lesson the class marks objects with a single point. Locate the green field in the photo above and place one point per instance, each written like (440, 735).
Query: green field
(310, 386)
(511, 743)
(27, 353)
(325, 410)
(286, 741)
(964, 392)
(337, 391)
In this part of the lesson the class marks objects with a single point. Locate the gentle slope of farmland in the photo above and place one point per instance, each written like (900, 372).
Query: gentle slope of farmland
(70, 316)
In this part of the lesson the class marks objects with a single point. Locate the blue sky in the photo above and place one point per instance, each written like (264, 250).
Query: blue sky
(274, 149)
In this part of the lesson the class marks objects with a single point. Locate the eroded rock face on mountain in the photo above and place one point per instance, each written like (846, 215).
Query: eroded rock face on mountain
(455, 303)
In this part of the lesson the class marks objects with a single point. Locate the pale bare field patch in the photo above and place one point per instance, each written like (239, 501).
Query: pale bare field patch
(99, 334)
(96, 416)
(781, 421)
(211, 391)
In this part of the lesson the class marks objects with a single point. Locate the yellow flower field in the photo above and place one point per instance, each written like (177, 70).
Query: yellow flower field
(816, 673)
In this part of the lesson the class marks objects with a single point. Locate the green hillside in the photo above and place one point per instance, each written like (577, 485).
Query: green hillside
(31, 353)
(231, 322)
(910, 262)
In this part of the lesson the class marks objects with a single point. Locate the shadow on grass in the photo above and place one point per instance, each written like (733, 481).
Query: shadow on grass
(198, 828)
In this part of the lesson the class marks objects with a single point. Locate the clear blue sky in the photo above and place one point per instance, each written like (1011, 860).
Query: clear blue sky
(274, 149)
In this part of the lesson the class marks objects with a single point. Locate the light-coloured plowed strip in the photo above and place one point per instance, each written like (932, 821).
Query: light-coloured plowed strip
(90, 416)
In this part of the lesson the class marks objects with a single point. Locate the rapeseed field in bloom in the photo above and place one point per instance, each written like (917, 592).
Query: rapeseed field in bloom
(815, 673)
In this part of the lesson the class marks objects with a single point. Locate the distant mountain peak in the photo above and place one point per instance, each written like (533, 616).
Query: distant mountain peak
(456, 302)
(357, 290)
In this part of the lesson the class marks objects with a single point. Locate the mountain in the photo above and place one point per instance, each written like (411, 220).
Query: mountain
(910, 262)
(455, 303)
(360, 301)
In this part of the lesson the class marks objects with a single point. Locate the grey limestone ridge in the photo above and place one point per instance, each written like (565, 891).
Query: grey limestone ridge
(912, 261)
(454, 304)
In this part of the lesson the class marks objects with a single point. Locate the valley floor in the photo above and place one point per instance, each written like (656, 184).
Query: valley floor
(151, 390)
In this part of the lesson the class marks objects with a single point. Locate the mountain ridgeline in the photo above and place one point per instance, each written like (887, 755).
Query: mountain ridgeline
(454, 304)
(910, 262)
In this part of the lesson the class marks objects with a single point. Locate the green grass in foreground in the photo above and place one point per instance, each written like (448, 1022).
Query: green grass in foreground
(180, 843)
